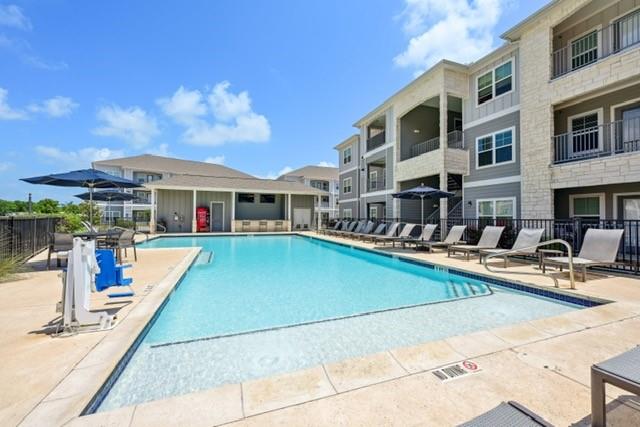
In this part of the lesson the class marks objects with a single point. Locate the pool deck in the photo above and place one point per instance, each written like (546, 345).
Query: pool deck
(543, 364)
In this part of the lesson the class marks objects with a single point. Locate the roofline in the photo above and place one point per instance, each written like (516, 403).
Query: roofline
(444, 63)
(346, 141)
(313, 192)
(150, 169)
(513, 33)
(507, 46)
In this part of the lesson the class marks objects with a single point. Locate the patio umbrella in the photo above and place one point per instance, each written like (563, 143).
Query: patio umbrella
(422, 192)
(87, 178)
(107, 196)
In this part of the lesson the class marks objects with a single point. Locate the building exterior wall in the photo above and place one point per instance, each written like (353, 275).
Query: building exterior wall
(258, 210)
(612, 204)
(498, 191)
(171, 203)
(204, 199)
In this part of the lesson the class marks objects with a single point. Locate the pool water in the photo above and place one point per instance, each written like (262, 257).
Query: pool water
(253, 306)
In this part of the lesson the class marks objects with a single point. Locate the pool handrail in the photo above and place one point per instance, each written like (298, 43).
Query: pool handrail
(546, 243)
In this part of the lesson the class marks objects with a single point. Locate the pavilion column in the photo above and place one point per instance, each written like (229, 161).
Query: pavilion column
(289, 211)
(194, 220)
(233, 211)
(444, 209)
(152, 217)
(318, 214)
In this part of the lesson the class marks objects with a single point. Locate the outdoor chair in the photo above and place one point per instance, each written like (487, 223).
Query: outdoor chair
(324, 230)
(111, 274)
(425, 235)
(262, 226)
(60, 244)
(379, 231)
(124, 240)
(527, 237)
(599, 248)
(358, 228)
(246, 225)
(365, 229)
(622, 371)
(453, 238)
(343, 227)
(352, 225)
(279, 226)
(405, 233)
(508, 414)
(489, 240)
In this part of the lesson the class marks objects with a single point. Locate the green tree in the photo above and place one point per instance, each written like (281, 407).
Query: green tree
(85, 210)
(46, 206)
(21, 206)
(71, 208)
(7, 207)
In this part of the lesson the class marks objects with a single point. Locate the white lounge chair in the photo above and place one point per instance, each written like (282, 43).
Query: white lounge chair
(391, 232)
(366, 229)
(345, 226)
(489, 240)
(527, 237)
(453, 238)
(350, 228)
(425, 236)
(406, 232)
(599, 248)
(379, 231)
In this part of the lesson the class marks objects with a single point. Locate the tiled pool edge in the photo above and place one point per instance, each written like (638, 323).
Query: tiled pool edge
(556, 294)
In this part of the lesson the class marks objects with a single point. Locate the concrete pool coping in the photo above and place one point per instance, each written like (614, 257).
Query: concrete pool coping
(268, 395)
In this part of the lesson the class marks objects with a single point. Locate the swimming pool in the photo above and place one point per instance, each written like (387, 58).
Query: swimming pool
(253, 306)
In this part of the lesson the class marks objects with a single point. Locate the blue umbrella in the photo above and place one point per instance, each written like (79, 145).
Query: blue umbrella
(87, 178)
(422, 192)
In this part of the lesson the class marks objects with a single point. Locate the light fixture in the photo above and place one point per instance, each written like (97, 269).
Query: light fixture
(416, 131)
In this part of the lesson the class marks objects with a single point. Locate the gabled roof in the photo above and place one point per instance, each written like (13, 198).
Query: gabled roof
(514, 33)
(216, 183)
(313, 172)
(152, 163)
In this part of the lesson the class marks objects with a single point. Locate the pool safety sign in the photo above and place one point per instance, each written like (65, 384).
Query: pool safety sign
(456, 370)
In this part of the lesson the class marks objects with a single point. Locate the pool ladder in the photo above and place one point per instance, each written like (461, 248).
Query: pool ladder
(520, 250)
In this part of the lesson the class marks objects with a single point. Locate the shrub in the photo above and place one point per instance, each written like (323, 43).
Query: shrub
(70, 223)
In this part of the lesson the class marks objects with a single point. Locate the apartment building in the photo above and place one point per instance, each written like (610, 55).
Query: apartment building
(546, 126)
(148, 168)
(322, 178)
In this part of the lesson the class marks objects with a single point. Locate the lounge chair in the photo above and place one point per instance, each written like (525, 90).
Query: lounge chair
(599, 248)
(366, 229)
(527, 237)
(621, 371)
(508, 414)
(352, 225)
(59, 244)
(377, 232)
(489, 240)
(337, 225)
(343, 227)
(453, 238)
(111, 274)
(425, 236)
(391, 232)
(405, 233)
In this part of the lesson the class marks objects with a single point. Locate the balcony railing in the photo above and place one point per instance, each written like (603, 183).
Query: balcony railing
(454, 140)
(376, 184)
(376, 141)
(607, 41)
(622, 136)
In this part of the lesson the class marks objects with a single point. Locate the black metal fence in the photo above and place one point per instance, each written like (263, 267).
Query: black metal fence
(570, 230)
(23, 236)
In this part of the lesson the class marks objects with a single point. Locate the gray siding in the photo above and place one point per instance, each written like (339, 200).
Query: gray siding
(426, 119)
(410, 209)
(257, 210)
(175, 202)
(348, 205)
(354, 185)
(473, 112)
(561, 198)
(355, 155)
(490, 192)
(387, 199)
(470, 135)
(204, 199)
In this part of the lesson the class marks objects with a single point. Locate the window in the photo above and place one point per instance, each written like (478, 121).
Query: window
(495, 149)
(346, 186)
(625, 31)
(346, 156)
(373, 180)
(347, 214)
(494, 83)
(496, 208)
(246, 197)
(587, 205)
(585, 134)
(373, 212)
(268, 198)
(325, 199)
(584, 50)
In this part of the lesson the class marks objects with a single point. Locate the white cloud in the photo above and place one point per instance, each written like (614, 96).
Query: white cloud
(233, 117)
(12, 16)
(79, 159)
(216, 160)
(274, 175)
(160, 150)
(23, 50)
(6, 111)
(434, 24)
(132, 124)
(5, 166)
(58, 106)
(327, 164)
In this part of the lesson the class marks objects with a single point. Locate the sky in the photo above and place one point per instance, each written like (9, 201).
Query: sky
(260, 86)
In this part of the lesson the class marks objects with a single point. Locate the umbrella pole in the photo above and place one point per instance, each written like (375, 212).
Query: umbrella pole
(91, 206)
(422, 211)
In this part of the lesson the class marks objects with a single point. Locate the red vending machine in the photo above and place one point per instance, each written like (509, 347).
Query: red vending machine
(202, 219)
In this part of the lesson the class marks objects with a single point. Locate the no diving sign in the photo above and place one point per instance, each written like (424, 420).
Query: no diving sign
(456, 370)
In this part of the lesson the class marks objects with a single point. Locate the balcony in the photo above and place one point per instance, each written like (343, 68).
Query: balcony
(454, 140)
(599, 44)
(622, 136)
(376, 141)
(376, 184)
